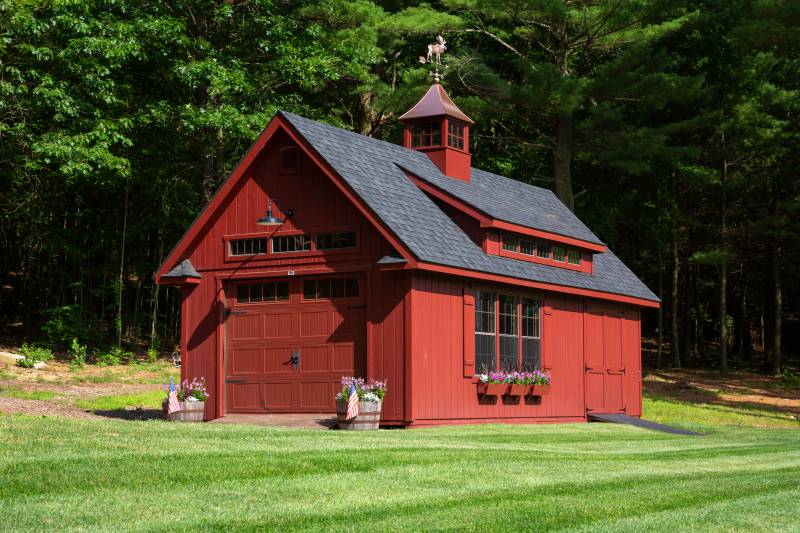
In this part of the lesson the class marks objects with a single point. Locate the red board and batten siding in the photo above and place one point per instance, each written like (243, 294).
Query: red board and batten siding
(442, 357)
(319, 206)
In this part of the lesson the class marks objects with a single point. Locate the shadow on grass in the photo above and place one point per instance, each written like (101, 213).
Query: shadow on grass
(130, 414)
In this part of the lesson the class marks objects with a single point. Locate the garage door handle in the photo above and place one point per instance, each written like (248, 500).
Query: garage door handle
(235, 381)
(295, 359)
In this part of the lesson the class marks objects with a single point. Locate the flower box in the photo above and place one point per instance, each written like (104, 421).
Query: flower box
(540, 390)
(518, 389)
(492, 389)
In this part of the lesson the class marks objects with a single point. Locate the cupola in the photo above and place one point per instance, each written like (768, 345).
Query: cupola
(436, 126)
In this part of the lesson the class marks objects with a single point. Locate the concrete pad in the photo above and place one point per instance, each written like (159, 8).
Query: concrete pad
(297, 420)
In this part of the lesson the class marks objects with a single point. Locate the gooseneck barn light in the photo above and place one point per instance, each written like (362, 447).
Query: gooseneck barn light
(271, 220)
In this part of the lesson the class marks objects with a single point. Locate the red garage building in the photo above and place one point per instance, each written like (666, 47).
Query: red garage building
(400, 263)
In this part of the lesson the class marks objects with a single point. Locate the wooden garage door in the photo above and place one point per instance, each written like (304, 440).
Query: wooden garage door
(288, 342)
(605, 369)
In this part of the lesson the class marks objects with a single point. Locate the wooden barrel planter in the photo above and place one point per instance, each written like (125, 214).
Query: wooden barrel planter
(189, 412)
(369, 416)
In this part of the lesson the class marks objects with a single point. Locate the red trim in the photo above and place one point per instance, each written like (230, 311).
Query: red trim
(220, 302)
(578, 243)
(408, 409)
(498, 420)
(537, 285)
(181, 280)
(277, 122)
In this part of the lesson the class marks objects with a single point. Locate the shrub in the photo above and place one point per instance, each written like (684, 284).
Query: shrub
(789, 380)
(33, 354)
(77, 352)
(113, 356)
(152, 355)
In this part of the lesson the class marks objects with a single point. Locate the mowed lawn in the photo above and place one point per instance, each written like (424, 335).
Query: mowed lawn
(61, 473)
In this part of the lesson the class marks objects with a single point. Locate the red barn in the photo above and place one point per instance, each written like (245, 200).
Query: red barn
(400, 263)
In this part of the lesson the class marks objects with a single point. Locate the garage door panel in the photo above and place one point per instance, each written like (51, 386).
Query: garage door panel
(278, 395)
(277, 360)
(316, 323)
(245, 396)
(245, 327)
(316, 394)
(279, 325)
(315, 359)
(245, 361)
(344, 357)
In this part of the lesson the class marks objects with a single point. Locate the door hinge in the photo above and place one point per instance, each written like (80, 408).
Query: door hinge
(235, 381)
(231, 311)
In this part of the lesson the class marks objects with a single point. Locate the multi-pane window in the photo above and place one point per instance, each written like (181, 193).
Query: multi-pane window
(516, 341)
(485, 336)
(455, 135)
(531, 338)
(316, 289)
(429, 134)
(248, 247)
(336, 240)
(509, 243)
(509, 332)
(290, 243)
(543, 250)
(271, 291)
(526, 247)
(573, 256)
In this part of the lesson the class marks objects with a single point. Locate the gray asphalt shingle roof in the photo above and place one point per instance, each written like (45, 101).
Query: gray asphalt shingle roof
(374, 170)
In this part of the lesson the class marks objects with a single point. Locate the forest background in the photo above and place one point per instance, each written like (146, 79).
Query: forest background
(669, 126)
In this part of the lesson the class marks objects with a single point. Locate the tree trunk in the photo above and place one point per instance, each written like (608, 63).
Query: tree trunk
(121, 269)
(366, 114)
(660, 348)
(775, 360)
(674, 344)
(562, 161)
(723, 274)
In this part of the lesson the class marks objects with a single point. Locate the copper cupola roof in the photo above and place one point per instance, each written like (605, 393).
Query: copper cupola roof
(436, 103)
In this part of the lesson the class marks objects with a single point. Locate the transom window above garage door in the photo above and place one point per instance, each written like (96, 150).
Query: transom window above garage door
(317, 289)
(262, 291)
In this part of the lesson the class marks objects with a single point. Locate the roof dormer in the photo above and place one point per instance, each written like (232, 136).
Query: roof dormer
(437, 127)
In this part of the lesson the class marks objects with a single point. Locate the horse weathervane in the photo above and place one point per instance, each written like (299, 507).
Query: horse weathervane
(434, 57)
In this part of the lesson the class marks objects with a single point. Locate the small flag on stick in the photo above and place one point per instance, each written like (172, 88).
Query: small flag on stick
(352, 403)
(173, 405)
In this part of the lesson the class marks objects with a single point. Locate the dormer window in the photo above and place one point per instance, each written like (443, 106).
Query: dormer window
(426, 134)
(545, 252)
(455, 134)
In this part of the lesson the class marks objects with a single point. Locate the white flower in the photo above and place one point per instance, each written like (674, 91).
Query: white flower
(192, 399)
(370, 397)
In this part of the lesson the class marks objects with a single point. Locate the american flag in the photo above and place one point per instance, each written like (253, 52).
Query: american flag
(173, 404)
(352, 403)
